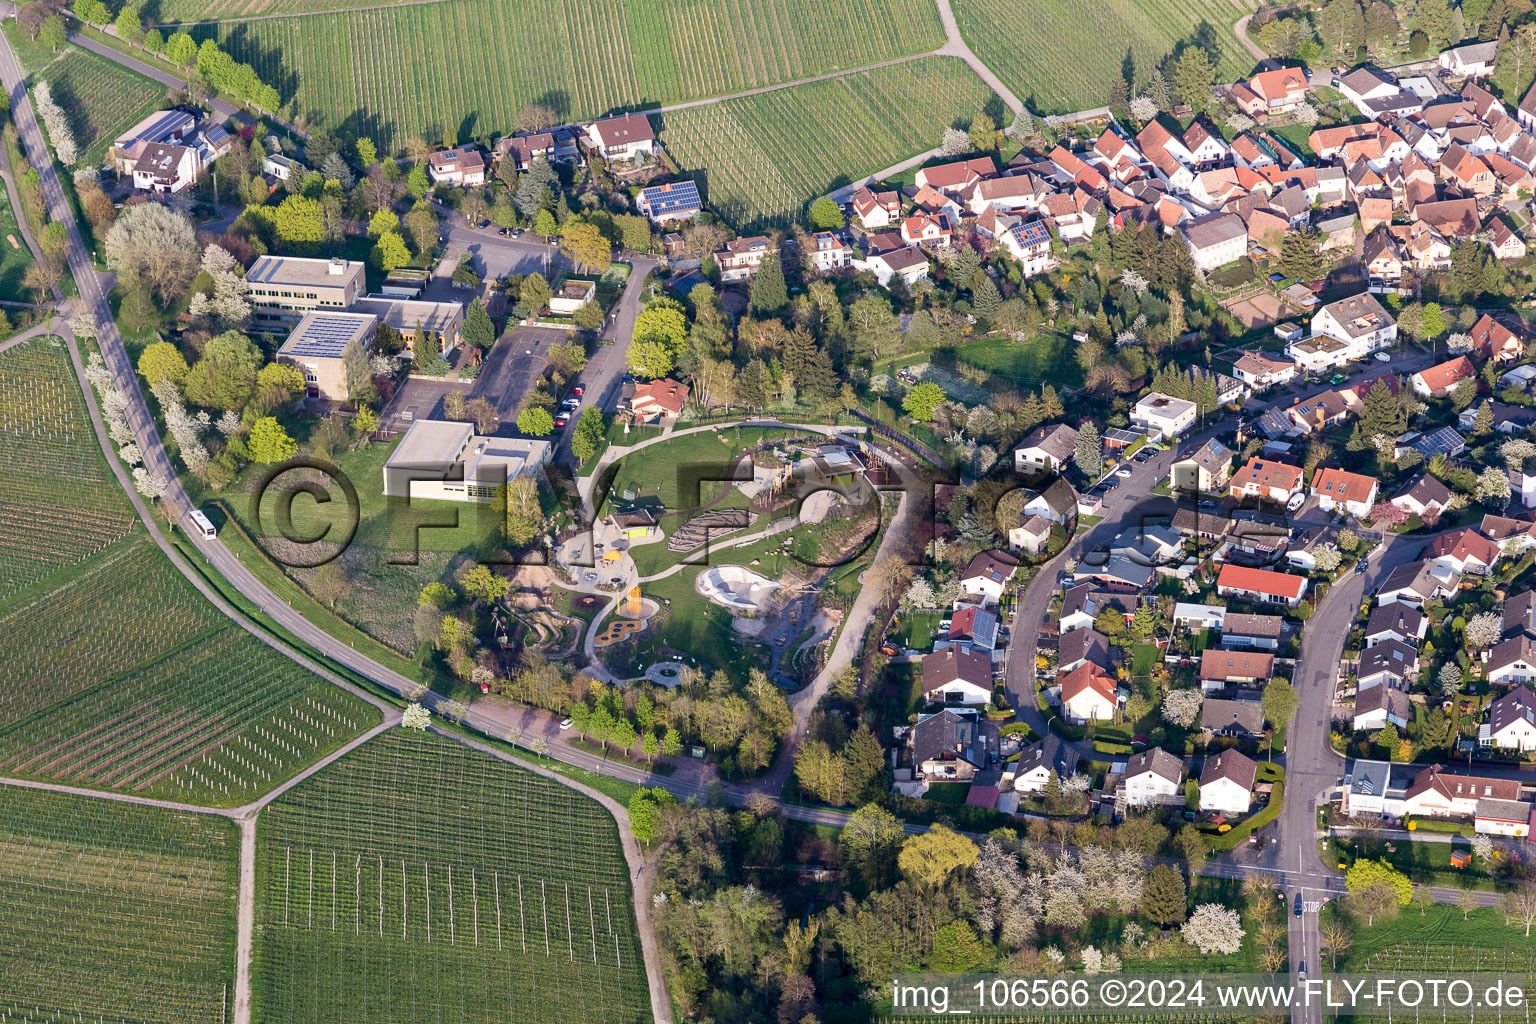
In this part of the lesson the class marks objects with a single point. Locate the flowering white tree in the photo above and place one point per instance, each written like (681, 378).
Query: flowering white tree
(1132, 280)
(1076, 784)
(227, 306)
(1239, 123)
(1482, 849)
(1213, 928)
(130, 454)
(1125, 338)
(920, 594)
(57, 123)
(1327, 557)
(83, 323)
(416, 717)
(1459, 342)
(1093, 960)
(1143, 109)
(1182, 707)
(1306, 113)
(1493, 487)
(955, 142)
(453, 711)
(148, 484)
(1483, 630)
(1515, 451)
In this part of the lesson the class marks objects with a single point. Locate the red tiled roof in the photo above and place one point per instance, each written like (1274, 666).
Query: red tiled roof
(1260, 581)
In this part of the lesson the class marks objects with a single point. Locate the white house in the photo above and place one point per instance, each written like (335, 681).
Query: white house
(1511, 661)
(1032, 535)
(1261, 585)
(986, 576)
(1226, 782)
(1417, 582)
(1343, 331)
(1438, 793)
(1058, 502)
(1088, 694)
(1216, 240)
(1151, 777)
(957, 675)
(1475, 60)
(1163, 416)
(1047, 447)
(165, 168)
(1380, 706)
(1051, 754)
(1353, 492)
(908, 264)
(622, 138)
(829, 252)
(1511, 721)
(1502, 818)
(1029, 242)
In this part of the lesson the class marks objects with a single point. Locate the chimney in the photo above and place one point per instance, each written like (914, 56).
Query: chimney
(337, 267)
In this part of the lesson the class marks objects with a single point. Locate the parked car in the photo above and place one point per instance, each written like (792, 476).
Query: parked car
(1297, 500)
(1124, 471)
(561, 420)
(578, 391)
(565, 723)
(517, 233)
(1383, 357)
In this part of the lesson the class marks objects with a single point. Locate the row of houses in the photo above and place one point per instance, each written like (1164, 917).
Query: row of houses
(1382, 789)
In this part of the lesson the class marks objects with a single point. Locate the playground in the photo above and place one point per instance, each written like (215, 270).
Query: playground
(737, 588)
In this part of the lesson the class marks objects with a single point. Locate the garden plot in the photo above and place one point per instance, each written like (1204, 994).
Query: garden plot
(956, 388)
(416, 880)
(114, 913)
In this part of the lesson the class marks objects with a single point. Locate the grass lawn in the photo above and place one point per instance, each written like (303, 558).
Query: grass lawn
(916, 630)
(14, 256)
(1144, 658)
(1044, 359)
(670, 473)
(953, 793)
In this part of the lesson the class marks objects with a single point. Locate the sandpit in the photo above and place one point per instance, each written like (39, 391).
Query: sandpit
(737, 588)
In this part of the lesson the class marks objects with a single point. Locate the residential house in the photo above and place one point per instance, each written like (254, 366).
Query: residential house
(1047, 447)
(1238, 719)
(987, 575)
(1260, 585)
(1058, 502)
(1088, 694)
(1205, 470)
(957, 675)
(1358, 324)
(278, 167)
(1463, 551)
(1163, 416)
(1442, 378)
(669, 203)
(1083, 604)
(658, 400)
(1511, 661)
(1355, 493)
(1266, 478)
(1375, 788)
(1383, 258)
(1215, 240)
(1505, 242)
(1468, 172)
(322, 346)
(1389, 663)
(573, 293)
(1417, 582)
(1425, 494)
(1513, 535)
(1441, 794)
(1151, 777)
(1281, 90)
(975, 626)
(1399, 622)
(932, 229)
(1029, 242)
(1226, 783)
(1080, 647)
(1511, 723)
(952, 745)
(1520, 615)
(1502, 818)
(829, 252)
(1267, 229)
(1492, 339)
(954, 178)
(1380, 706)
(1440, 441)
(165, 168)
(741, 257)
(626, 137)
(1259, 371)
(525, 149)
(459, 167)
(1035, 765)
(876, 210)
(909, 265)
(163, 127)
(1196, 617)
(1239, 630)
(1474, 60)
(1220, 669)
(1032, 535)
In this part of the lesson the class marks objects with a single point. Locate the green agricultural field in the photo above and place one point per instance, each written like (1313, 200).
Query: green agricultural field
(162, 731)
(115, 913)
(1061, 55)
(15, 258)
(59, 504)
(465, 67)
(101, 98)
(416, 880)
(762, 158)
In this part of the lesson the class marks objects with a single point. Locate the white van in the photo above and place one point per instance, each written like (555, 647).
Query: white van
(202, 524)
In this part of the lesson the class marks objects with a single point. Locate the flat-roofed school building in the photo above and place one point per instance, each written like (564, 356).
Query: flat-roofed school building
(475, 466)
(318, 346)
(283, 288)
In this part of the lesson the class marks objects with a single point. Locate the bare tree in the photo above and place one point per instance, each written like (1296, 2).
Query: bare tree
(158, 244)
(1336, 939)
(1520, 905)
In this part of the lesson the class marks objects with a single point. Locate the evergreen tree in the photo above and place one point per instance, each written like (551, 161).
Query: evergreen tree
(479, 330)
(1050, 404)
(1088, 452)
(1163, 899)
(768, 294)
(985, 299)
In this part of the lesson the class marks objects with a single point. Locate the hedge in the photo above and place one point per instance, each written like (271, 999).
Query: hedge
(1455, 828)
(1107, 747)
(1241, 833)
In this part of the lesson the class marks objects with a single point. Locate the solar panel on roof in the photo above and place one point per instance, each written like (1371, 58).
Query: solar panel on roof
(324, 337)
(679, 195)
